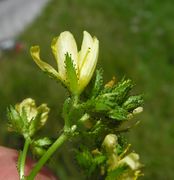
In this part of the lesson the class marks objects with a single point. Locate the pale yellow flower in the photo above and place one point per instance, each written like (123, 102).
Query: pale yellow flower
(84, 61)
(131, 160)
(114, 161)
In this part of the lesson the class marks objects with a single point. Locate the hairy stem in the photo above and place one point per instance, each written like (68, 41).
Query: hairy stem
(61, 139)
(23, 159)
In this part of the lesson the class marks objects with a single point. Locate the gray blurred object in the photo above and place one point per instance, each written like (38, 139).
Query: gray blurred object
(11, 45)
(7, 44)
(15, 15)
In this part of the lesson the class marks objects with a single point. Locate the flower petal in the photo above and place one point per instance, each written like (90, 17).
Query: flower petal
(28, 105)
(89, 65)
(85, 48)
(132, 160)
(65, 44)
(35, 53)
(54, 47)
(43, 111)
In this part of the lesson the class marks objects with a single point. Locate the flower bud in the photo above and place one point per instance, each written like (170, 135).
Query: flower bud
(110, 143)
(138, 110)
(26, 118)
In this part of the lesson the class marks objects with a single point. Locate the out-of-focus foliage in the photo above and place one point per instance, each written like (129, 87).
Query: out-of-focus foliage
(136, 40)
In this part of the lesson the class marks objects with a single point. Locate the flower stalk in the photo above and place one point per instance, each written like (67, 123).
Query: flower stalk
(59, 142)
(23, 159)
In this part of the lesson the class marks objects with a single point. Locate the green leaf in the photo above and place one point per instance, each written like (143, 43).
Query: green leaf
(40, 146)
(102, 105)
(43, 142)
(34, 124)
(116, 173)
(96, 162)
(99, 159)
(84, 158)
(113, 96)
(38, 151)
(71, 74)
(122, 89)
(118, 113)
(133, 102)
(119, 149)
(124, 126)
(97, 129)
(104, 102)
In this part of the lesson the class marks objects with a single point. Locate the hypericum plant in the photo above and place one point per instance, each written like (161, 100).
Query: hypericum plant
(97, 113)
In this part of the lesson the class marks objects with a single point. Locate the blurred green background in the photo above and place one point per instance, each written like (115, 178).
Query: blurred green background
(136, 40)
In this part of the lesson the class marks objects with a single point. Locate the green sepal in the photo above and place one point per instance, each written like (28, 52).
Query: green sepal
(39, 120)
(66, 107)
(71, 74)
(66, 112)
(34, 124)
(98, 83)
(88, 161)
(16, 123)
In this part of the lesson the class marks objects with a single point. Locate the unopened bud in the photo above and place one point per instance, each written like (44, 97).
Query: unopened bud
(138, 110)
(110, 142)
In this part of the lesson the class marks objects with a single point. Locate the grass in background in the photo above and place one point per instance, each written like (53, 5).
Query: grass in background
(136, 40)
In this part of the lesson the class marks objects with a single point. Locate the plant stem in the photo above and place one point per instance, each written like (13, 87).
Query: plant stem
(67, 112)
(76, 98)
(62, 138)
(23, 159)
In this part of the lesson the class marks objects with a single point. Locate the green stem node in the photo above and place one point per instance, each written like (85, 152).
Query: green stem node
(62, 138)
